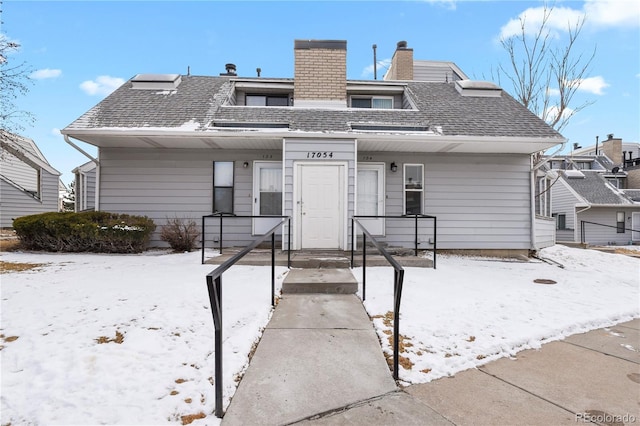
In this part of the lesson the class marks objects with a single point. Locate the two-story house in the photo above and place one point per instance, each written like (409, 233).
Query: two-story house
(321, 148)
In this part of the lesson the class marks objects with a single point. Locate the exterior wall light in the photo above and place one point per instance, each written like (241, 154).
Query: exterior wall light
(394, 167)
(245, 164)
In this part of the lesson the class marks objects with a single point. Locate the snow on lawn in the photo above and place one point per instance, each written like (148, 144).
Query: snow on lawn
(470, 310)
(117, 339)
(128, 339)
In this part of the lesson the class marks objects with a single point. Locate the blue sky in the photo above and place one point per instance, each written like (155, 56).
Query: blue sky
(79, 51)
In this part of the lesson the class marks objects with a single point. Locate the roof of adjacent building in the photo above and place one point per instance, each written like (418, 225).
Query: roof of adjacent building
(594, 188)
(200, 101)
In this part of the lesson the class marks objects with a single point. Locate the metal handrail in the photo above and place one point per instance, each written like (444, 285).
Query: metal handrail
(231, 215)
(415, 236)
(583, 229)
(398, 279)
(214, 286)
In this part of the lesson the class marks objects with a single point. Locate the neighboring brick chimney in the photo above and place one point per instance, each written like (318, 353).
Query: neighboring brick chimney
(401, 64)
(612, 148)
(320, 78)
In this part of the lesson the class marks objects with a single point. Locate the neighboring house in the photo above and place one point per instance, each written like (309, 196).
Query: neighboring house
(85, 186)
(589, 209)
(321, 149)
(28, 183)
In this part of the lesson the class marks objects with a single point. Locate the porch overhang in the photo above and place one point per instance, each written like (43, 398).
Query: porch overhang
(247, 139)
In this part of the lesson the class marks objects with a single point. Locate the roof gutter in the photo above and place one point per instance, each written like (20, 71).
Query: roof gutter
(80, 150)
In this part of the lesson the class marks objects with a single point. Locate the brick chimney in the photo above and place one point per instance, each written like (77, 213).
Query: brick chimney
(320, 78)
(401, 64)
(612, 148)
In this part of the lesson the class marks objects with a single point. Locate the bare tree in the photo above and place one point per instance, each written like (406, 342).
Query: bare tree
(14, 83)
(545, 77)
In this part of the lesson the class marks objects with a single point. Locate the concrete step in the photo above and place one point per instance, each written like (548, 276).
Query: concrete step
(323, 281)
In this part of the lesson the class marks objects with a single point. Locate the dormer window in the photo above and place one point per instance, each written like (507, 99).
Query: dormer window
(376, 102)
(266, 100)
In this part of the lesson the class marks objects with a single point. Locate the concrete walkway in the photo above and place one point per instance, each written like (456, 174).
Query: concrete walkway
(319, 362)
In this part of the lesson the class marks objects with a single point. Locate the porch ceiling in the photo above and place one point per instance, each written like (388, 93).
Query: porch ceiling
(378, 142)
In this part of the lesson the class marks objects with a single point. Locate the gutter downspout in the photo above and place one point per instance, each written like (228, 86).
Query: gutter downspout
(97, 163)
(534, 168)
(575, 221)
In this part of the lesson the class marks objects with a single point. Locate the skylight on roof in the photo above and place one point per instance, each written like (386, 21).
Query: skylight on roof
(156, 81)
(574, 174)
(478, 88)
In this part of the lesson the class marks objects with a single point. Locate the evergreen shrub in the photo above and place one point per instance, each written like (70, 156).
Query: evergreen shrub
(90, 231)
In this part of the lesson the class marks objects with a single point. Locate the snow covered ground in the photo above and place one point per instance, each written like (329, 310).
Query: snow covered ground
(128, 339)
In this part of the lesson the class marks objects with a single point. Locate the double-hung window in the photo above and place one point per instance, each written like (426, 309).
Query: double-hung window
(413, 188)
(223, 186)
(620, 222)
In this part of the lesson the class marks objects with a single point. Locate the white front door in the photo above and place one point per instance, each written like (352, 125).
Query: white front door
(635, 225)
(267, 194)
(371, 196)
(320, 193)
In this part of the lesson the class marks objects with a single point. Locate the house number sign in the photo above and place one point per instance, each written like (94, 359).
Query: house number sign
(320, 154)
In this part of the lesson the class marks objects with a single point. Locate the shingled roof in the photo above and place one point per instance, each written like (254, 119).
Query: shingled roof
(594, 188)
(200, 101)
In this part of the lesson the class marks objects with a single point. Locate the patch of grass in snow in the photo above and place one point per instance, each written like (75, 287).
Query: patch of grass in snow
(118, 339)
(6, 267)
(190, 418)
(7, 340)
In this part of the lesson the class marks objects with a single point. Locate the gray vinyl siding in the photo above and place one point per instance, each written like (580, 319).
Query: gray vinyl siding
(164, 184)
(16, 203)
(85, 190)
(545, 233)
(605, 235)
(480, 201)
(18, 171)
(563, 201)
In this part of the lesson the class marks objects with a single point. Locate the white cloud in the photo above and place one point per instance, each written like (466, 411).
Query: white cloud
(559, 20)
(594, 85)
(103, 85)
(613, 12)
(553, 92)
(55, 131)
(383, 66)
(552, 113)
(46, 73)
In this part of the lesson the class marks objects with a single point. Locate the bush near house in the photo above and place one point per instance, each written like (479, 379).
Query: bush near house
(181, 236)
(91, 231)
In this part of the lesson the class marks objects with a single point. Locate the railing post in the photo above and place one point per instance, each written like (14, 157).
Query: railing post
(220, 233)
(202, 240)
(416, 237)
(289, 242)
(273, 269)
(353, 231)
(364, 266)
(435, 240)
(215, 298)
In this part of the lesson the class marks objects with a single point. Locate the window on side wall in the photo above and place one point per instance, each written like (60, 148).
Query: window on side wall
(223, 186)
(413, 188)
(377, 102)
(267, 100)
(561, 221)
(620, 222)
(543, 197)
